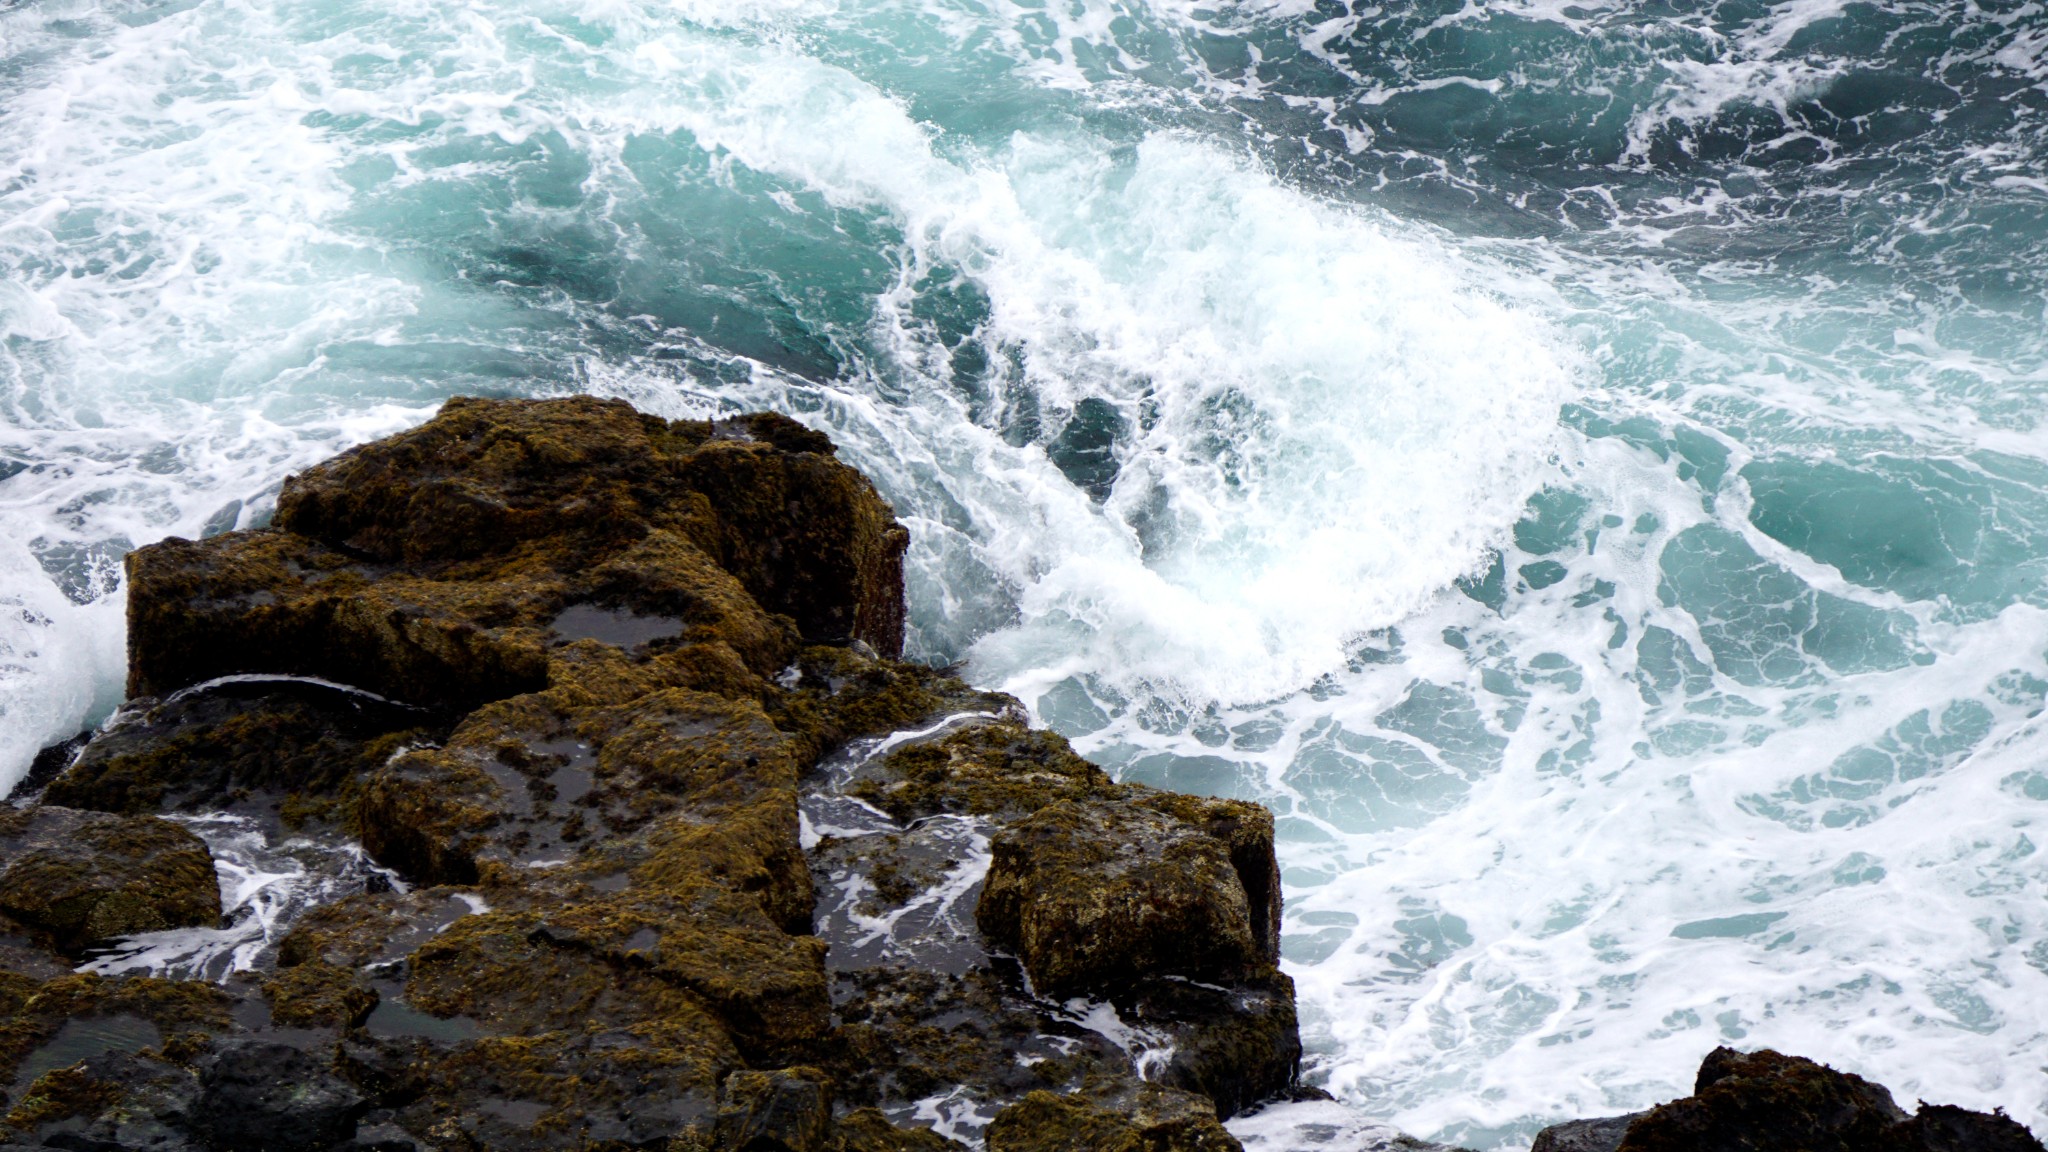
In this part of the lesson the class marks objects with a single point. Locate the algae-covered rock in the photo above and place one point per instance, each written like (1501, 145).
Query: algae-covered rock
(1091, 896)
(87, 877)
(1153, 1120)
(319, 995)
(785, 1110)
(437, 565)
(1238, 1046)
(999, 769)
(295, 749)
(111, 1101)
(48, 1024)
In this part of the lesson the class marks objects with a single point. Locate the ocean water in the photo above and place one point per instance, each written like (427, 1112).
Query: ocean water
(1581, 464)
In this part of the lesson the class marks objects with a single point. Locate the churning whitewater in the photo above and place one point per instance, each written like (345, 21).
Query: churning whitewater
(1581, 465)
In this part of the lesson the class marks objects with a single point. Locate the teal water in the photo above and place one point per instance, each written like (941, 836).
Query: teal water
(1579, 463)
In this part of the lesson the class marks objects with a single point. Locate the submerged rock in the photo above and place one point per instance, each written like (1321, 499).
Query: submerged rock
(571, 671)
(1766, 1101)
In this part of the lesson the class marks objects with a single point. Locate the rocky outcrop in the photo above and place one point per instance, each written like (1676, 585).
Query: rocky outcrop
(1765, 1101)
(609, 693)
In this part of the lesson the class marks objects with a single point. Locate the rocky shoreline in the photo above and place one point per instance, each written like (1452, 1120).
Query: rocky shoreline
(661, 847)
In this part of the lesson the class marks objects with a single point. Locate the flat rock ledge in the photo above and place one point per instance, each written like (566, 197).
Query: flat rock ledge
(672, 852)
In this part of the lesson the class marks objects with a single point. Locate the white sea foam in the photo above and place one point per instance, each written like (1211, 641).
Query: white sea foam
(265, 885)
(1290, 371)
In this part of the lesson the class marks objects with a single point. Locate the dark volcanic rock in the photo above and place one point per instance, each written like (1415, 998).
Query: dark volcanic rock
(86, 877)
(569, 670)
(1946, 1128)
(1765, 1101)
(269, 1097)
(1238, 1046)
(112, 1102)
(1598, 1135)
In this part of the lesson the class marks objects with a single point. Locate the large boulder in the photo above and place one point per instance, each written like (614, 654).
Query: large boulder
(87, 877)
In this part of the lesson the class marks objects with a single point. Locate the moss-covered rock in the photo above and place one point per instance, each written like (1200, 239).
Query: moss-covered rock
(1151, 1120)
(112, 1100)
(1094, 896)
(784, 1110)
(175, 1015)
(87, 877)
(1000, 769)
(1237, 1046)
(319, 995)
(838, 694)
(908, 1035)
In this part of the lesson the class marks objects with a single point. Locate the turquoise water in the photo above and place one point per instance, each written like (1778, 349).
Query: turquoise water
(1579, 463)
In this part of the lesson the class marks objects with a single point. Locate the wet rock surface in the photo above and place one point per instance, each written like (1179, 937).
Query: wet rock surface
(664, 850)
(1766, 1101)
